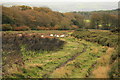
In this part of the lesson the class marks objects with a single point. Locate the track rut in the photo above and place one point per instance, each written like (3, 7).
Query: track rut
(69, 60)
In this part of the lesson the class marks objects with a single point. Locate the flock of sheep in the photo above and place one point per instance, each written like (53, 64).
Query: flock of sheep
(47, 35)
(55, 35)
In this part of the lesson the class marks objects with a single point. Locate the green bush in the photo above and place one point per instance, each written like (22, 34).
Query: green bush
(113, 57)
(114, 72)
(115, 30)
(103, 38)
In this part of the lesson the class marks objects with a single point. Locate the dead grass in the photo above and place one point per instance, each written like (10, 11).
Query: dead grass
(95, 50)
(35, 65)
(61, 72)
(101, 72)
(94, 30)
(103, 67)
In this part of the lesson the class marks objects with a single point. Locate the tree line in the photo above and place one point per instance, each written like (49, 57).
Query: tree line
(40, 18)
(104, 21)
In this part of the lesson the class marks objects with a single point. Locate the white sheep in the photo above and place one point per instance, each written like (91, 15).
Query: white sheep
(51, 35)
(57, 36)
(42, 35)
(62, 35)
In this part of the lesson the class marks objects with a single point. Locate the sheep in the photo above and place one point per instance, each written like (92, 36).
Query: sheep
(57, 36)
(42, 35)
(51, 35)
(62, 35)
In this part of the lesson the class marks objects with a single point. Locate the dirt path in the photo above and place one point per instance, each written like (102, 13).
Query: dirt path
(69, 60)
(101, 71)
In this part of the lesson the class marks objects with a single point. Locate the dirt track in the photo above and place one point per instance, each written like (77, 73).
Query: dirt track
(71, 59)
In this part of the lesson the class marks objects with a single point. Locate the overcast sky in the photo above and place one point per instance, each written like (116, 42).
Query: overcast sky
(67, 5)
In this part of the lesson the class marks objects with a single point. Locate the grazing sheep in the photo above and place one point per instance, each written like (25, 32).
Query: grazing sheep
(57, 36)
(42, 35)
(62, 35)
(51, 35)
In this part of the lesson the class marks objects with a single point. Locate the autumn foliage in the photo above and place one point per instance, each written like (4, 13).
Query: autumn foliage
(43, 18)
(40, 18)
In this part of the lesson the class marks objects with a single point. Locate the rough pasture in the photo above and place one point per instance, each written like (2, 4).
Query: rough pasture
(15, 46)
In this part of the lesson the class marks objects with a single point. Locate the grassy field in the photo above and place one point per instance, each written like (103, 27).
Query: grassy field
(76, 59)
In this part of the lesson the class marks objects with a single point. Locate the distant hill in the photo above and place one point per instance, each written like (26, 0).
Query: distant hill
(88, 13)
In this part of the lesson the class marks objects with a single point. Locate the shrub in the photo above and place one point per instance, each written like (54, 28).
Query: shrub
(103, 38)
(6, 27)
(113, 57)
(114, 72)
(115, 30)
(22, 28)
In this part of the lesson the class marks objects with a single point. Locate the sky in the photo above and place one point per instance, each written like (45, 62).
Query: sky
(67, 5)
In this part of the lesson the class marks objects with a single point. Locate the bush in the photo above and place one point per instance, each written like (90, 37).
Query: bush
(22, 28)
(103, 38)
(6, 27)
(114, 72)
(113, 57)
(115, 30)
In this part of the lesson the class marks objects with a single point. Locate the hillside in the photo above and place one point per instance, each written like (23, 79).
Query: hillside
(39, 18)
(43, 18)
